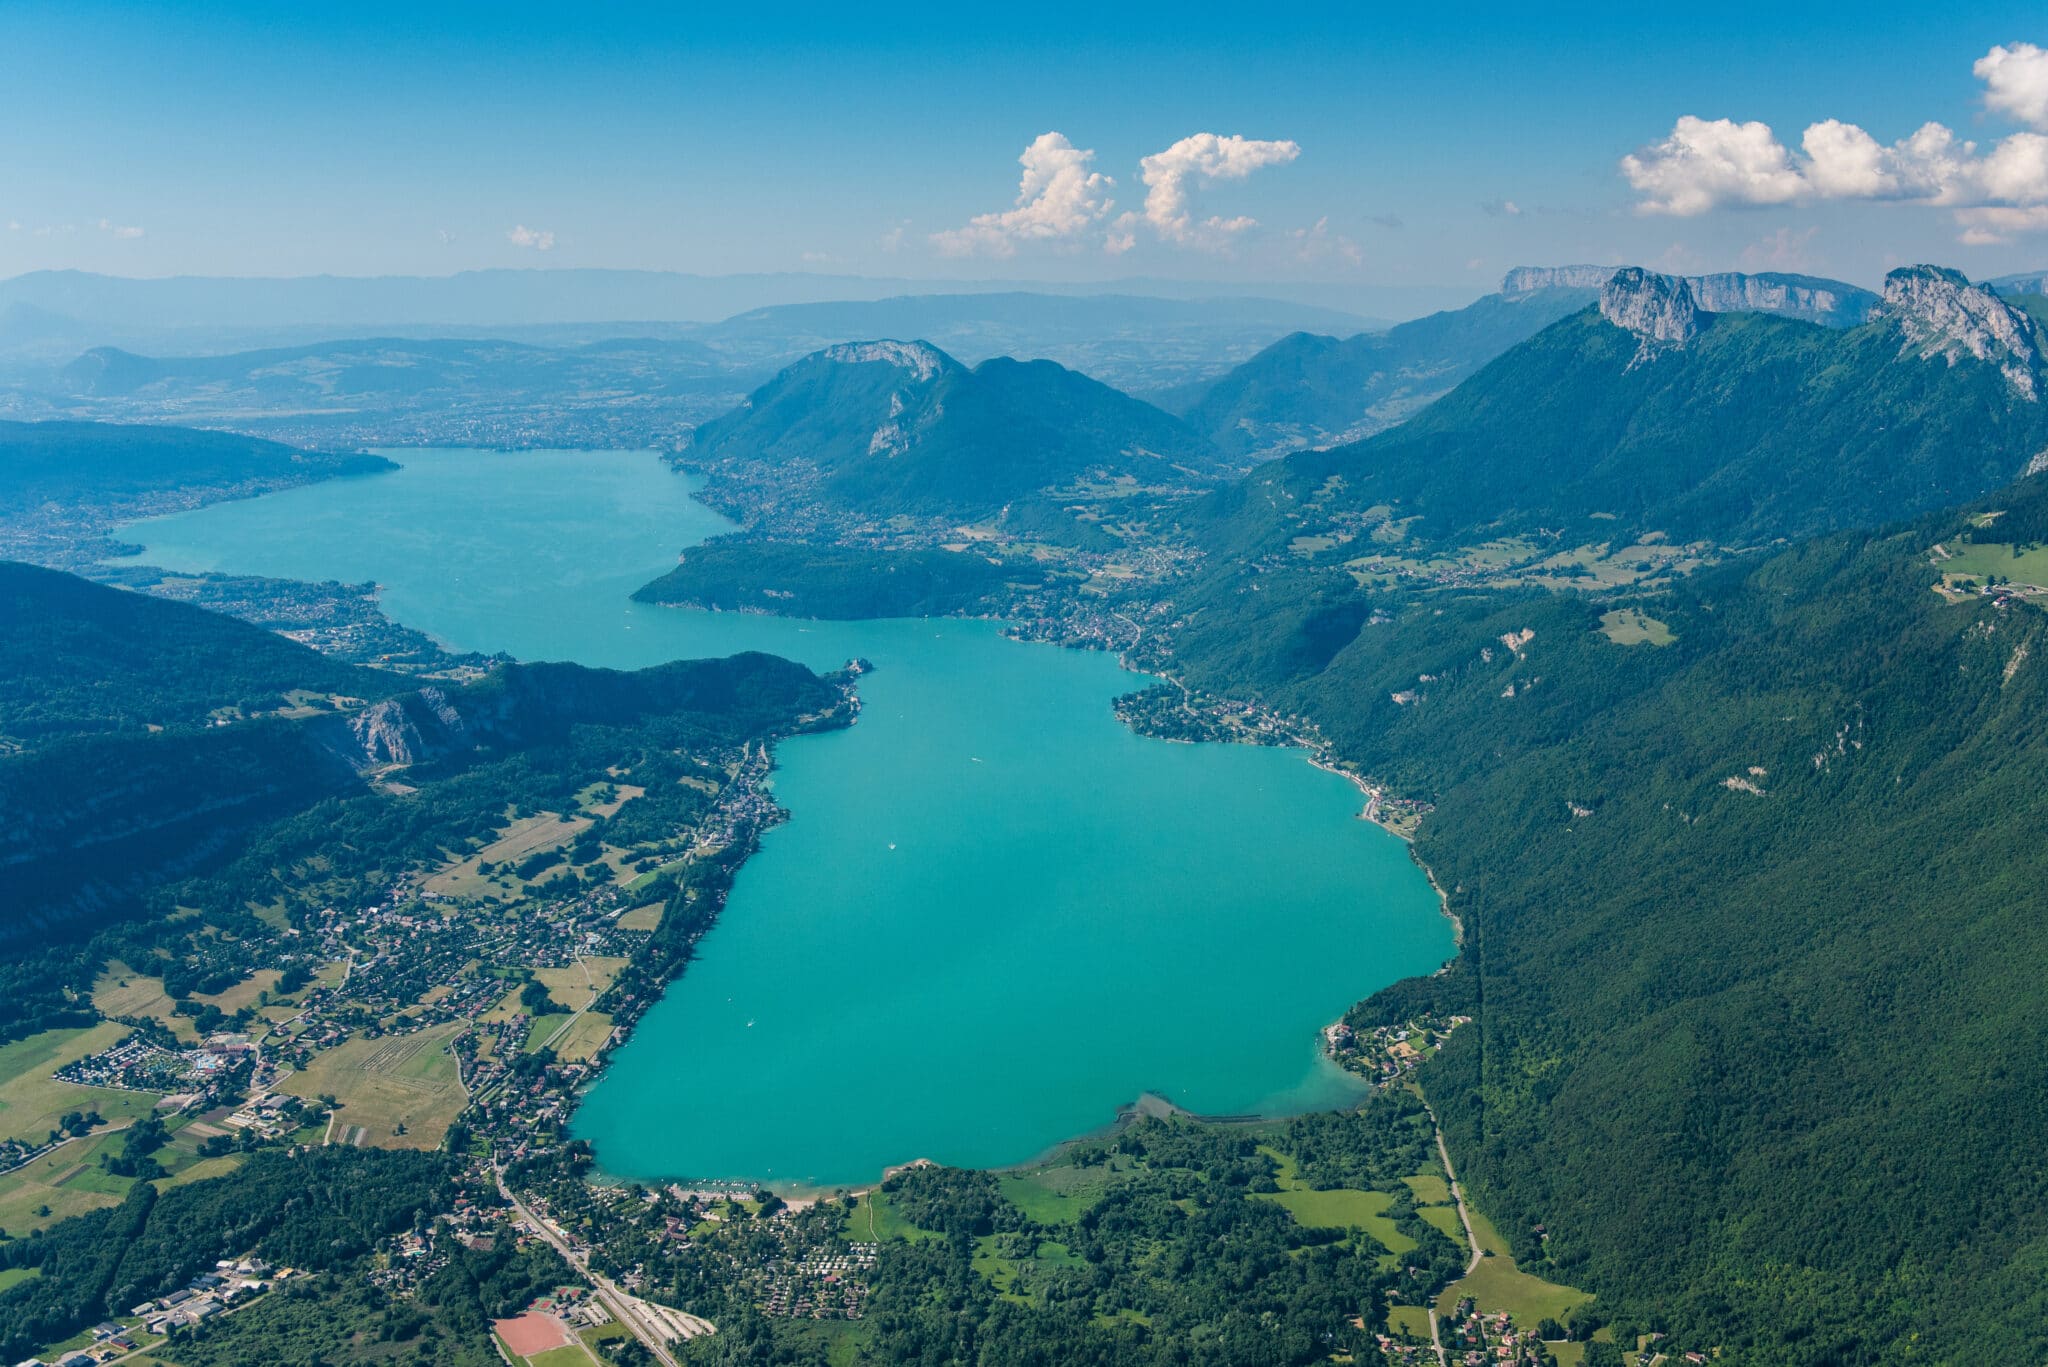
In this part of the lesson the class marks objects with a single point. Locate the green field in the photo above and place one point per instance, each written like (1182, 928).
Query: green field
(1056, 1195)
(1498, 1284)
(32, 1101)
(568, 1355)
(120, 991)
(543, 1026)
(1429, 1189)
(1981, 560)
(876, 1218)
(1337, 1209)
(1410, 1321)
(65, 1182)
(15, 1276)
(1633, 627)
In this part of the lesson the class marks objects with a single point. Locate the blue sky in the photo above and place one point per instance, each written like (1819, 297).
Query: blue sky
(1382, 145)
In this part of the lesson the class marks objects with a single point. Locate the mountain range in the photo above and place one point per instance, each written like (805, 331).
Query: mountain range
(1310, 390)
(1650, 414)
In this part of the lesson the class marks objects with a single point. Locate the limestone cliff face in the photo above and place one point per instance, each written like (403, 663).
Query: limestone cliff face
(1828, 302)
(921, 360)
(1529, 279)
(1659, 309)
(1942, 314)
(1819, 301)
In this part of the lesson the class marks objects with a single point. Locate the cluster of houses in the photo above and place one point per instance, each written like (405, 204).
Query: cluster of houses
(1388, 1052)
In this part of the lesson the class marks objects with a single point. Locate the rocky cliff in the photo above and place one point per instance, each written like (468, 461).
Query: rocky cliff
(1828, 302)
(1942, 314)
(1659, 309)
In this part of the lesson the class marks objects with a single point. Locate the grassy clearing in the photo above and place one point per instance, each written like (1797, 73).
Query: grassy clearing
(584, 1038)
(582, 982)
(202, 1170)
(1410, 1321)
(622, 794)
(1341, 1208)
(543, 1026)
(876, 1218)
(1446, 1220)
(406, 1081)
(568, 1355)
(1633, 627)
(1429, 1189)
(1498, 1284)
(57, 1186)
(643, 918)
(528, 835)
(1982, 560)
(121, 991)
(1060, 1192)
(243, 993)
(32, 1101)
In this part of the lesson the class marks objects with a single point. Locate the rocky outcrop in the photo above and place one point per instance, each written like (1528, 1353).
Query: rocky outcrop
(1942, 314)
(921, 360)
(1659, 309)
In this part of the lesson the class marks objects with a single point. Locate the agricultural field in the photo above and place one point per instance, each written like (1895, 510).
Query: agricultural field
(121, 991)
(32, 1100)
(244, 993)
(642, 918)
(584, 1038)
(1054, 1195)
(398, 1092)
(515, 841)
(875, 1219)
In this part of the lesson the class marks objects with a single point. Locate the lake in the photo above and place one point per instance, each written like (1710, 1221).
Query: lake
(995, 916)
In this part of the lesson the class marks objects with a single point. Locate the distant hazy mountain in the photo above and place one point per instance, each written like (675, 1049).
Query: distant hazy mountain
(883, 428)
(1653, 414)
(517, 298)
(567, 383)
(1140, 345)
(1308, 391)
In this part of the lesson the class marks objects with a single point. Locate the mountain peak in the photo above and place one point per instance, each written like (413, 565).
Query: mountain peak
(1943, 314)
(921, 359)
(1659, 309)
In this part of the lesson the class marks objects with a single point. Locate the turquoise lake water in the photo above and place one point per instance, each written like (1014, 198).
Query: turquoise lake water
(995, 916)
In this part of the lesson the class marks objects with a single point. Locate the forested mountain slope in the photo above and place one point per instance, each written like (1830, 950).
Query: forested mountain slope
(1652, 415)
(1752, 924)
(102, 810)
(874, 430)
(64, 462)
(1312, 391)
(80, 658)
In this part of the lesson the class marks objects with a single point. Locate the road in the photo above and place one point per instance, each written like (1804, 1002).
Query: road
(1464, 1215)
(623, 1308)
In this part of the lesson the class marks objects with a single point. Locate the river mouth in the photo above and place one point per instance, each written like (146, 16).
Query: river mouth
(996, 915)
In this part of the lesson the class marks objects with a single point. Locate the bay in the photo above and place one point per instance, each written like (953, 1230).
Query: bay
(995, 916)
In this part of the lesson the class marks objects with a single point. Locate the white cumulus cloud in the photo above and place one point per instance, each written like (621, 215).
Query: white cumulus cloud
(540, 240)
(2016, 82)
(126, 232)
(1058, 198)
(1708, 164)
(1203, 159)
